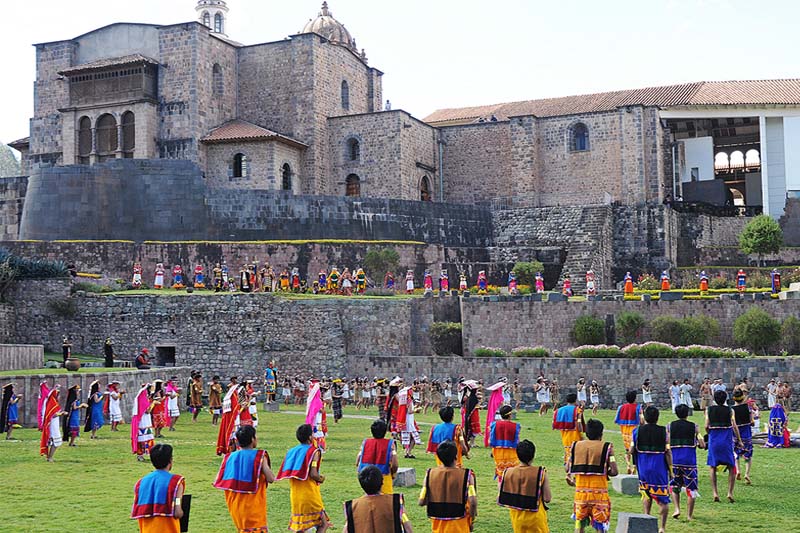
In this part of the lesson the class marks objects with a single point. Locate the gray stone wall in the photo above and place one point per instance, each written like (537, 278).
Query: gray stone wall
(130, 382)
(700, 231)
(264, 161)
(12, 200)
(615, 376)
(508, 325)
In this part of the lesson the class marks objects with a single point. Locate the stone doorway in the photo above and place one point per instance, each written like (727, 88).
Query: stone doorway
(165, 356)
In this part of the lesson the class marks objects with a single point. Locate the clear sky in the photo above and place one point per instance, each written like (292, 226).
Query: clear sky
(451, 53)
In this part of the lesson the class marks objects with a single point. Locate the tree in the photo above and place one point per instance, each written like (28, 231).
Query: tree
(762, 235)
(378, 261)
(756, 330)
(526, 271)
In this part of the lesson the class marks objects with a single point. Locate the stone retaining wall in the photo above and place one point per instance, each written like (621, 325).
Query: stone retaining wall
(131, 381)
(21, 357)
(615, 376)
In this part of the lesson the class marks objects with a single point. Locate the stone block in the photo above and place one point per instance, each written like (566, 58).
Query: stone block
(406, 477)
(272, 407)
(645, 298)
(536, 297)
(671, 296)
(636, 523)
(626, 484)
(531, 409)
(794, 287)
(557, 297)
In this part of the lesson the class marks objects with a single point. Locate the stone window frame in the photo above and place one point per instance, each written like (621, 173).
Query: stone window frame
(206, 18)
(108, 132)
(348, 149)
(240, 164)
(345, 95)
(85, 138)
(217, 81)
(423, 179)
(352, 185)
(128, 131)
(219, 23)
(292, 177)
(571, 137)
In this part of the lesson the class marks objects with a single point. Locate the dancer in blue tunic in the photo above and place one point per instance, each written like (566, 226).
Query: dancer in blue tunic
(721, 428)
(777, 425)
(653, 460)
(743, 417)
(94, 413)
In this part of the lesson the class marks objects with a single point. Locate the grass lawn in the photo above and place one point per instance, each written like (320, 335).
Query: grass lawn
(89, 488)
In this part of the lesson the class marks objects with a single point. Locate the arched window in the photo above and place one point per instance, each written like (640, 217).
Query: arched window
(353, 150)
(84, 140)
(737, 160)
(352, 185)
(345, 95)
(579, 137)
(106, 137)
(128, 134)
(206, 19)
(240, 166)
(286, 177)
(752, 159)
(217, 82)
(425, 193)
(721, 161)
(219, 25)
(738, 198)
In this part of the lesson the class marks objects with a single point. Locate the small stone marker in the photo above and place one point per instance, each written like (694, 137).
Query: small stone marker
(557, 297)
(636, 523)
(272, 407)
(670, 296)
(626, 484)
(531, 409)
(406, 477)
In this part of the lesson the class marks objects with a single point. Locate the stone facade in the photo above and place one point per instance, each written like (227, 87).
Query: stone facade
(263, 165)
(12, 200)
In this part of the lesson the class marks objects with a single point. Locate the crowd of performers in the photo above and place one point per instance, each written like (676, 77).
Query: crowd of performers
(662, 456)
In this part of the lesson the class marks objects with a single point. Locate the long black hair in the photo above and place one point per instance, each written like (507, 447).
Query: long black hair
(72, 397)
(8, 391)
(94, 388)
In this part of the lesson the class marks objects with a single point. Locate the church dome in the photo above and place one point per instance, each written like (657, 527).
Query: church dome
(330, 28)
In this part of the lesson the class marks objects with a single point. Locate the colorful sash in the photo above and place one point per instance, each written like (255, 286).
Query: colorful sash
(628, 414)
(154, 494)
(440, 433)
(504, 434)
(241, 471)
(297, 462)
(377, 453)
(566, 418)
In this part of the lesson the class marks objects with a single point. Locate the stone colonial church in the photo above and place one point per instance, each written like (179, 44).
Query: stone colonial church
(305, 115)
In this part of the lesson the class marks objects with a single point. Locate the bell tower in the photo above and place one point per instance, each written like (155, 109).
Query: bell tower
(214, 15)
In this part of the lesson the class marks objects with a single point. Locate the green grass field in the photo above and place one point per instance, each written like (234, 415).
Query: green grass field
(89, 488)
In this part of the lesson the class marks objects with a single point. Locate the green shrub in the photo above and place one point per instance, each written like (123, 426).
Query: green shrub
(708, 352)
(762, 235)
(34, 268)
(596, 351)
(690, 282)
(526, 271)
(756, 330)
(649, 350)
(757, 280)
(629, 326)
(483, 351)
(719, 282)
(648, 282)
(85, 286)
(537, 351)
(65, 308)
(445, 338)
(668, 329)
(698, 330)
(589, 330)
(378, 261)
(790, 335)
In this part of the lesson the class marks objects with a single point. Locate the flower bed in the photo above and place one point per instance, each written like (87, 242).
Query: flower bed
(528, 351)
(484, 351)
(656, 350)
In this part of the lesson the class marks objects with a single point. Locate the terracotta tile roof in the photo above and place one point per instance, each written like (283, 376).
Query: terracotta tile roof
(756, 92)
(110, 62)
(241, 130)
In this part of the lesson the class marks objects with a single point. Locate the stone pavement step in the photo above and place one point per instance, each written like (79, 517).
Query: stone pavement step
(636, 523)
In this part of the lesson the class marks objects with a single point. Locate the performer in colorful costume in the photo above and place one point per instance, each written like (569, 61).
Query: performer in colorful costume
(628, 283)
(775, 277)
(226, 280)
(158, 282)
(496, 400)
(244, 476)
(568, 419)
(231, 409)
(665, 281)
(628, 418)
(199, 277)
(361, 281)
(159, 410)
(743, 417)
(381, 453)
(449, 493)
(538, 283)
(483, 283)
(270, 381)
(470, 413)
(741, 280)
(244, 279)
(333, 281)
(375, 510)
(512, 285)
(409, 282)
(653, 460)
(388, 281)
(177, 277)
(51, 422)
(405, 421)
(94, 412)
(777, 427)
(9, 410)
(390, 409)
(217, 273)
(73, 406)
(137, 276)
(444, 282)
(503, 440)
(462, 282)
(448, 431)
(684, 439)
(566, 288)
(722, 434)
(703, 281)
(295, 280)
(322, 279)
(141, 423)
(215, 399)
(270, 281)
(525, 491)
(590, 463)
(427, 282)
(301, 467)
(158, 495)
(591, 288)
(316, 416)
(171, 393)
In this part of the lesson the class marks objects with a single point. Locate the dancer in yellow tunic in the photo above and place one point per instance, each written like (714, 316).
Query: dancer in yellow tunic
(449, 494)
(301, 468)
(525, 491)
(503, 439)
(590, 464)
(157, 496)
(569, 420)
